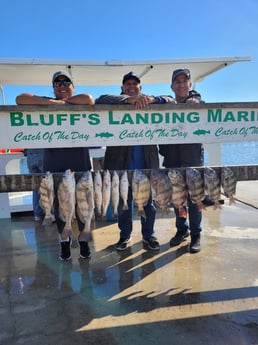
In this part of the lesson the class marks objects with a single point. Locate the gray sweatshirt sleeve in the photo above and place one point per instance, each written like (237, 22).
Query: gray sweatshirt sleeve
(111, 99)
(168, 99)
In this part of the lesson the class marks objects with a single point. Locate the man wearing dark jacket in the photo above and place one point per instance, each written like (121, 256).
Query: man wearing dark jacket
(185, 155)
(133, 157)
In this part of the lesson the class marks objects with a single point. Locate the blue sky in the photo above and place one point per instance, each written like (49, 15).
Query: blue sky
(137, 30)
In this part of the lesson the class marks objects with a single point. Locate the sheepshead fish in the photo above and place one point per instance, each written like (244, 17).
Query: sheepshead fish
(115, 193)
(179, 190)
(66, 199)
(141, 190)
(228, 181)
(46, 192)
(106, 192)
(123, 189)
(195, 184)
(97, 184)
(84, 193)
(212, 185)
(161, 190)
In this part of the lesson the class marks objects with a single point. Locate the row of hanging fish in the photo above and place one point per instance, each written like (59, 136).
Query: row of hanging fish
(94, 192)
(174, 187)
(89, 196)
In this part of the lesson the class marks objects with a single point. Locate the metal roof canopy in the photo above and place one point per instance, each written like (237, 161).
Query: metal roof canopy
(30, 71)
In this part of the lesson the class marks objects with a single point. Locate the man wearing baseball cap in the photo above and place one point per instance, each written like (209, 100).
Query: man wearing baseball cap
(61, 159)
(130, 94)
(184, 155)
(133, 157)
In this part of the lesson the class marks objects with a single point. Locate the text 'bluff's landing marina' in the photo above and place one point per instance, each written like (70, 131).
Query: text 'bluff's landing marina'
(18, 118)
(116, 126)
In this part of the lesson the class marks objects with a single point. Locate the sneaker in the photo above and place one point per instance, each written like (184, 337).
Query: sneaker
(84, 249)
(65, 250)
(195, 244)
(37, 219)
(151, 243)
(122, 243)
(179, 237)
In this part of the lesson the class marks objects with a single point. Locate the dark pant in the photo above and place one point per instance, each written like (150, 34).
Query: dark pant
(195, 218)
(125, 218)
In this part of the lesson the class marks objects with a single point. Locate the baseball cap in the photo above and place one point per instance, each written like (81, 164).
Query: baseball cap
(131, 75)
(183, 71)
(59, 73)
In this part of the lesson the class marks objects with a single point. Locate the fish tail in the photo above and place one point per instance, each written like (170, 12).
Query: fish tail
(141, 213)
(125, 207)
(47, 221)
(201, 207)
(232, 200)
(217, 205)
(115, 213)
(67, 232)
(182, 213)
(86, 233)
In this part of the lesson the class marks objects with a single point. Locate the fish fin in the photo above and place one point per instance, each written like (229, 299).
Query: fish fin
(217, 205)
(201, 207)
(115, 213)
(232, 200)
(141, 213)
(87, 234)
(182, 213)
(47, 221)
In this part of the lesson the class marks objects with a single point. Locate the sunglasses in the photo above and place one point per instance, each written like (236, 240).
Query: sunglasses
(59, 83)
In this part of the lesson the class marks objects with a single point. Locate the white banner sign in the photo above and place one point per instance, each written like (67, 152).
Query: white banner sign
(93, 126)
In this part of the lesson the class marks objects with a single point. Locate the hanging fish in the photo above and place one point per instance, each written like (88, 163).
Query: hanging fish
(179, 190)
(106, 192)
(97, 183)
(141, 190)
(66, 198)
(46, 192)
(212, 185)
(123, 189)
(84, 193)
(195, 184)
(115, 193)
(161, 190)
(229, 182)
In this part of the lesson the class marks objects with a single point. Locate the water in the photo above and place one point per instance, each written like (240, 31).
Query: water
(239, 153)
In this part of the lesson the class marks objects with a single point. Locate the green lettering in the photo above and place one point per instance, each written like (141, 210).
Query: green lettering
(74, 118)
(142, 118)
(110, 118)
(229, 117)
(178, 117)
(127, 119)
(214, 117)
(242, 115)
(46, 120)
(156, 118)
(16, 118)
(60, 118)
(193, 117)
(94, 119)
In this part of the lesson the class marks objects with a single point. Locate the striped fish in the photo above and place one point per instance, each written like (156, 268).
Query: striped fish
(66, 198)
(46, 192)
(84, 193)
(141, 190)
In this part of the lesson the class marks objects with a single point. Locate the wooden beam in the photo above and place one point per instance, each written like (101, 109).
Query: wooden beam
(29, 182)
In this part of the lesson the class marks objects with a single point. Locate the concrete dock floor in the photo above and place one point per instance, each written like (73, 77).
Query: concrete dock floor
(135, 296)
